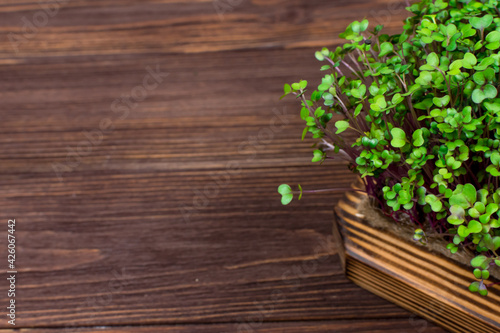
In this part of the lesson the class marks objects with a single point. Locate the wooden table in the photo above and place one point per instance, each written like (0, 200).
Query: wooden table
(142, 145)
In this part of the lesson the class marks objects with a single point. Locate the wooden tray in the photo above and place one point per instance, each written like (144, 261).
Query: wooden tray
(407, 274)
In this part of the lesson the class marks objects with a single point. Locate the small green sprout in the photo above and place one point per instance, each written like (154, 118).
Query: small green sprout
(286, 193)
(420, 236)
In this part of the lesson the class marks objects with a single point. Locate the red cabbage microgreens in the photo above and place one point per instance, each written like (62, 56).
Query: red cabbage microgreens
(424, 104)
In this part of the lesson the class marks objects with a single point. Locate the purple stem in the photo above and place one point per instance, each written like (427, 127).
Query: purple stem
(345, 189)
(336, 67)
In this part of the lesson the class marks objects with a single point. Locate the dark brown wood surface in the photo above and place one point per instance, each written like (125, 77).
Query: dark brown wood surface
(375, 326)
(113, 227)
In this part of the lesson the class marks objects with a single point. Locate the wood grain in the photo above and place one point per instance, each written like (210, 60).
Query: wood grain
(86, 27)
(361, 326)
(119, 234)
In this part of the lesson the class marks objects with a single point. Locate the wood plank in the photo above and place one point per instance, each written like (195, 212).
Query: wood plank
(110, 244)
(49, 105)
(72, 247)
(89, 27)
(403, 325)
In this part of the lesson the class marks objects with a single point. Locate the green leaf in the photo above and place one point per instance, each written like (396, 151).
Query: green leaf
(441, 102)
(286, 194)
(434, 202)
(479, 205)
(474, 213)
(385, 49)
(324, 87)
(300, 189)
(304, 113)
(398, 137)
(479, 78)
(463, 231)
(495, 158)
(318, 156)
(319, 112)
(304, 132)
(483, 291)
(424, 78)
(380, 101)
(426, 67)
(358, 109)
(484, 64)
(492, 208)
(420, 193)
(493, 46)
(397, 98)
(493, 37)
(459, 199)
(488, 241)
(455, 67)
(419, 233)
(363, 25)
(341, 126)
(433, 59)
(496, 243)
(481, 23)
(478, 96)
(493, 170)
(457, 215)
(452, 45)
(469, 191)
(474, 227)
(404, 197)
(474, 286)
(333, 91)
(359, 92)
(287, 88)
(286, 198)
(284, 189)
(467, 31)
(319, 56)
(478, 261)
(469, 60)
(391, 195)
(355, 26)
(489, 74)
(418, 138)
(451, 29)
(490, 91)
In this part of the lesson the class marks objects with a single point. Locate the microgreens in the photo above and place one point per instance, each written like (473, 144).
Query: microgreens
(425, 110)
